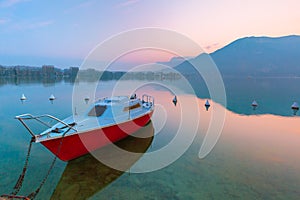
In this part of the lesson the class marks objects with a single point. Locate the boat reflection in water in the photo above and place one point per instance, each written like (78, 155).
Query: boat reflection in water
(85, 176)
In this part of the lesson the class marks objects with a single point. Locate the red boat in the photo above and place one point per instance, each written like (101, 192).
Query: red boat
(106, 121)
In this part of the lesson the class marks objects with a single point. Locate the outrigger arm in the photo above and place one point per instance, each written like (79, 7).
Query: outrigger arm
(27, 116)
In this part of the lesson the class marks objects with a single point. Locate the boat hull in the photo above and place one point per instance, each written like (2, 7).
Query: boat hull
(79, 144)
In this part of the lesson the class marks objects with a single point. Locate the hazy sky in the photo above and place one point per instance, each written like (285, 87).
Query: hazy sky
(63, 32)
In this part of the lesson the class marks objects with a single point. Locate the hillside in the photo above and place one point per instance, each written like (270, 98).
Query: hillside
(256, 56)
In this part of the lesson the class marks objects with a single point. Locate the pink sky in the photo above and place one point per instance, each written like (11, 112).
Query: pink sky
(70, 30)
(215, 23)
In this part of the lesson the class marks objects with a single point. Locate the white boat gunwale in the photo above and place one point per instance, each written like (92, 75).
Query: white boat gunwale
(89, 130)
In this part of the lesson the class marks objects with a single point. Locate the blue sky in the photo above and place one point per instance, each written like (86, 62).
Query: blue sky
(36, 32)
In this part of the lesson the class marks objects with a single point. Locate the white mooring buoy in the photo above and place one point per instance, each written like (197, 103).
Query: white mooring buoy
(87, 99)
(23, 98)
(175, 100)
(254, 105)
(295, 107)
(52, 98)
(207, 105)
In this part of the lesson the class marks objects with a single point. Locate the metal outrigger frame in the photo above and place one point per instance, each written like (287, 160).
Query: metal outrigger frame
(27, 116)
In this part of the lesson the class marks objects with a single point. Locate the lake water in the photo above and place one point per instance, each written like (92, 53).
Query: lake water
(256, 156)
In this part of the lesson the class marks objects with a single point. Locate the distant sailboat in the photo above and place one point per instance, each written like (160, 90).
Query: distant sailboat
(207, 105)
(175, 100)
(254, 105)
(295, 107)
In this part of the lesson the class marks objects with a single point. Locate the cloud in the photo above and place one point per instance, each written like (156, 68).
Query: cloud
(9, 3)
(3, 21)
(42, 24)
(80, 6)
(127, 3)
(27, 26)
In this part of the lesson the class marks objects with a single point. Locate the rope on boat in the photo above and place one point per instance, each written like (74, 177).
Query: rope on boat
(33, 194)
(20, 181)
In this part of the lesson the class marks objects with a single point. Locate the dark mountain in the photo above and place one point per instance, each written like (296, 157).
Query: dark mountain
(255, 56)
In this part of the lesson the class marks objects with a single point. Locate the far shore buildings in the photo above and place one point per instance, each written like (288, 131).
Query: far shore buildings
(51, 73)
(71, 72)
(47, 71)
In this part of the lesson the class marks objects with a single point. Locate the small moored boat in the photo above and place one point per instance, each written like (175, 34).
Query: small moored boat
(106, 121)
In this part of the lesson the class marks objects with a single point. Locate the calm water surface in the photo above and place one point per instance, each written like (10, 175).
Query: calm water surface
(257, 156)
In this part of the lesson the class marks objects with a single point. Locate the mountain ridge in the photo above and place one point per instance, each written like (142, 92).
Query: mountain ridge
(255, 56)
